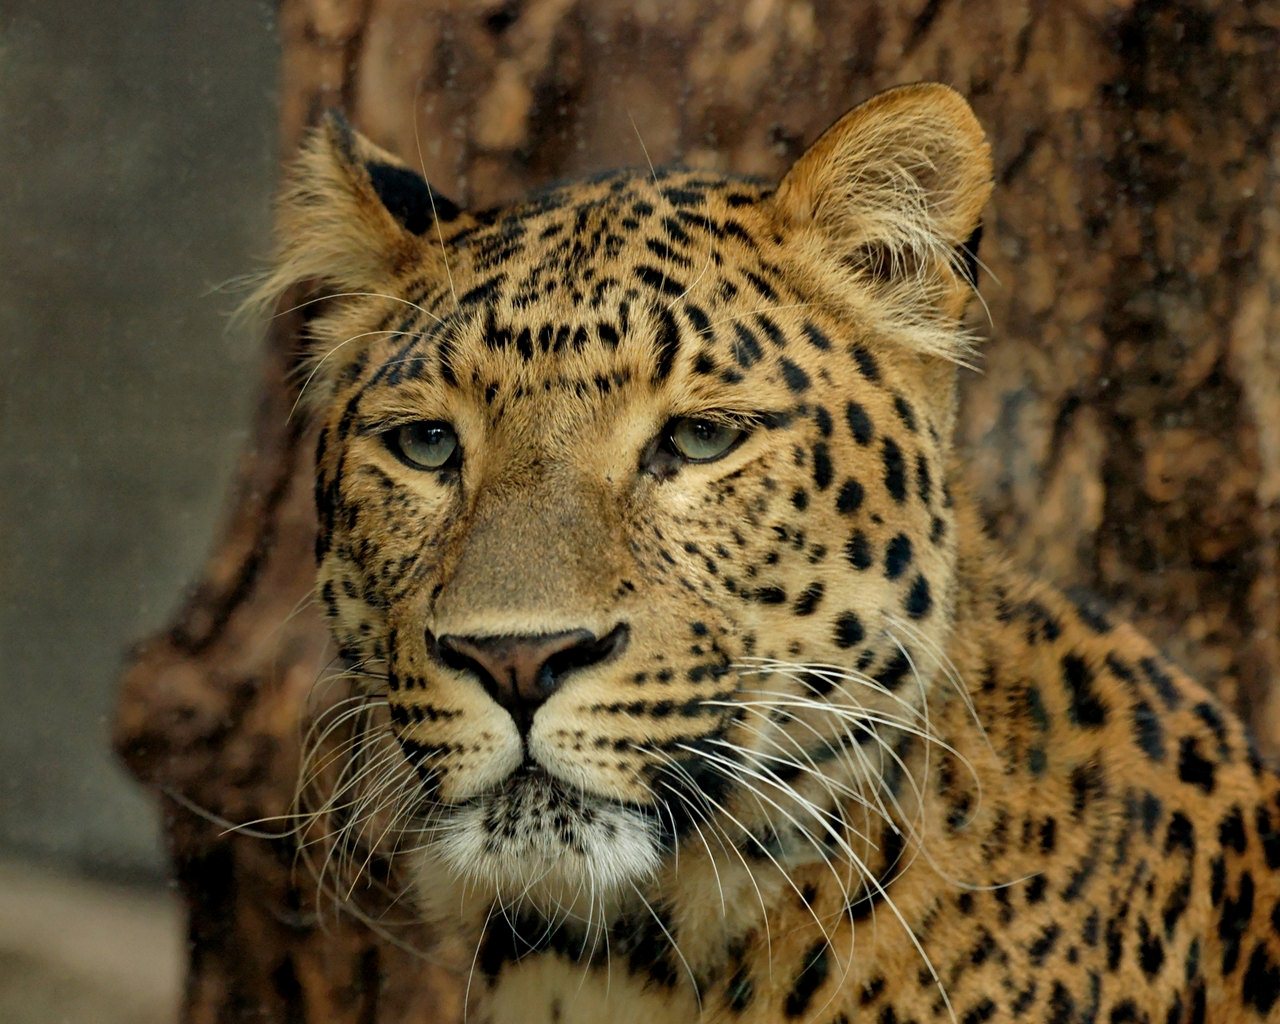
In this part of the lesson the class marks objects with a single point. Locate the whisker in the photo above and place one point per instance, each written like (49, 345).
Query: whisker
(318, 363)
(356, 295)
(431, 195)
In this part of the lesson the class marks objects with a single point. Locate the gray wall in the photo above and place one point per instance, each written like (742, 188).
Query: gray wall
(137, 157)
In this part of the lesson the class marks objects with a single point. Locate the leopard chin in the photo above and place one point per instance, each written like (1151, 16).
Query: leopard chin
(537, 844)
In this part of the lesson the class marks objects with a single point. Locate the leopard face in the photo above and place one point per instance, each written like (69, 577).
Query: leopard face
(631, 493)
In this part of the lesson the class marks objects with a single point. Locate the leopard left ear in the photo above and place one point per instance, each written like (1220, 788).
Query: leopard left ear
(353, 218)
(893, 193)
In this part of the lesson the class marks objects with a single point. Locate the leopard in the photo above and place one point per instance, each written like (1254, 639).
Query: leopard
(688, 683)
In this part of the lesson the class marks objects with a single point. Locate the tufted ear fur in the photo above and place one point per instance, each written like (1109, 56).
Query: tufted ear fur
(890, 197)
(353, 217)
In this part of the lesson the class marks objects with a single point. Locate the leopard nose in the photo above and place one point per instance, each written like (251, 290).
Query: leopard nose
(521, 672)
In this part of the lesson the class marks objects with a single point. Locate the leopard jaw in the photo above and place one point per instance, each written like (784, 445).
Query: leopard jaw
(532, 844)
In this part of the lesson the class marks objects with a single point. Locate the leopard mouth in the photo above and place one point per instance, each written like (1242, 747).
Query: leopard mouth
(531, 805)
(535, 839)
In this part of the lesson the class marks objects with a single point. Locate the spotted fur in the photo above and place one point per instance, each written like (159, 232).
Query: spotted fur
(840, 761)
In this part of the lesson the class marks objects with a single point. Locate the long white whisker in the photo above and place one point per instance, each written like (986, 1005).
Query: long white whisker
(431, 197)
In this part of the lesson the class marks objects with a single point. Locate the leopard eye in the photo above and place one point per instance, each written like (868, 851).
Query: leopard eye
(424, 444)
(702, 440)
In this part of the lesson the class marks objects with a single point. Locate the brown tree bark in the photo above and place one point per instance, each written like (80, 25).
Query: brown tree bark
(1124, 433)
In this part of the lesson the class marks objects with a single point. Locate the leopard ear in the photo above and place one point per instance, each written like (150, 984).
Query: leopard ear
(353, 217)
(892, 193)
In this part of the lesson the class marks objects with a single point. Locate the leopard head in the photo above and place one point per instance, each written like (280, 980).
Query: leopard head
(632, 504)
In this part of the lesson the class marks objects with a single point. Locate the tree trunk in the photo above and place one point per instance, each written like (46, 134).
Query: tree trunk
(1125, 430)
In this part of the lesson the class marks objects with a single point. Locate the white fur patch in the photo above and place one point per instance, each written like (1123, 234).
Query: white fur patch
(565, 855)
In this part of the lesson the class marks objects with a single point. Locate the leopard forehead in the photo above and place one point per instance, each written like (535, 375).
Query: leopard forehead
(640, 292)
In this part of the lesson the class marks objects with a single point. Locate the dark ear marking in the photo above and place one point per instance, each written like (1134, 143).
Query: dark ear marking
(969, 256)
(408, 197)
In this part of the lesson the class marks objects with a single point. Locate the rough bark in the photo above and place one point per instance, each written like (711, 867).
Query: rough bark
(1125, 430)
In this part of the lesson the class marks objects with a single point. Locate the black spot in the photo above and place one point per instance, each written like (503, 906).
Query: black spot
(288, 990)
(1233, 924)
(772, 331)
(1217, 880)
(821, 466)
(665, 253)
(919, 600)
(924, 480)
(762, 286)
(1125, 1012)
(1180, 834)
(1148, 730)
(809, 598)
(897, 556)
(608, 334)
(858, 550)
(1261, 981)
(813, 972)
(849, 630)
(1041, 623)
(797, 380)
(816, 338)
(984, 1011)
(682, 196)
(1043, 945)
(668, 342)
(1150, 950)
(891, 676)
(1161, 680)
(1231, 831)
(1209, 715)
(859, 423)
(483, 291)
(746, 349)
(1086, 785)
(850, 497)
(1176, 904)
(740, 991)
(1192, 768)
(866, 362)
(1048, 835)
(1268, 836)
(1085, 708)
(895, 471)
(697, 317)
(655, 278)
(905, 413)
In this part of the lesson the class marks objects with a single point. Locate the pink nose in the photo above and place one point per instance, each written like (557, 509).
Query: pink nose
(521, 672)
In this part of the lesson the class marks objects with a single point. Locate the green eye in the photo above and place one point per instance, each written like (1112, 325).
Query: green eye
(425, 444)
(702, 440)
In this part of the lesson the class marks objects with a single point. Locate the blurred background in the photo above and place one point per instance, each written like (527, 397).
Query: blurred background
(138, 161)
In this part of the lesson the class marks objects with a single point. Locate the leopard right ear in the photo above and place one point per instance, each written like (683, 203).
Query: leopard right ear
(354, 218)
(890, 197)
